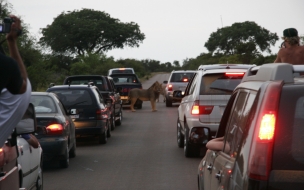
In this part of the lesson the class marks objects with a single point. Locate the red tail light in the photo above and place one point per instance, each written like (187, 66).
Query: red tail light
(234, 74)
(201, 109)
(261, 154)
(54, 129)
(101, 114)
(170, 87)
(185, 80)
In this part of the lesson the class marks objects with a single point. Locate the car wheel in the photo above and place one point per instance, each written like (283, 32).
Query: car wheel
(112, 123)
(118, 122)
(109, 129)
(180, 136)
(72, 152)
(168, 103)
(103, 139)
(39, 181)
(66, 161)
(189, 150)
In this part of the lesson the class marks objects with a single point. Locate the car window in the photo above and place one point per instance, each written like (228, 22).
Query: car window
(43, 104)
(289, 132)
(193, 85)
(181, 77)
(74, 96)
(124, 79)
(98, 96)
(122, 71)
(238, 120)
(219, 84)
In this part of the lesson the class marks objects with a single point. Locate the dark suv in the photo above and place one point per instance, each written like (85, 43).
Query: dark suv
(108, 91)
(88, 109)
(263, 127)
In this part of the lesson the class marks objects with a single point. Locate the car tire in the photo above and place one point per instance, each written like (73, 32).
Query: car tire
(113, 123)
(180, 136)
(118, 122)
(168, 103)
(39, 181)
(189, 150)
(72, 152)
(109, 129)
(103, 139)
(66, 161)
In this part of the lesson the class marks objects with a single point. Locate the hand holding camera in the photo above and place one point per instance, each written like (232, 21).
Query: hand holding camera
(11, 26)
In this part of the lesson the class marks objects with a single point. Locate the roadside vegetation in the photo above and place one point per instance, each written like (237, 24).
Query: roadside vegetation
(86, 35)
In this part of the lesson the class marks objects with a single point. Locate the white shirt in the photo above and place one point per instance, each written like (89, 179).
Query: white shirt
(12, 109)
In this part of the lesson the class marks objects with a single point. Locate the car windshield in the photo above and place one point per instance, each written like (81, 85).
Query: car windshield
(71, 97)
(219, 84)
(43, 104)
(181, 77)
(124, 79)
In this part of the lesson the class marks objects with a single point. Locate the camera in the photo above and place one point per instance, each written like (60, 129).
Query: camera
(5, 26)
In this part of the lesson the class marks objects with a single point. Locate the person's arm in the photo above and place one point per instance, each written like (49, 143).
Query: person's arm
(14, 52)
(31, 139)
(216, 144)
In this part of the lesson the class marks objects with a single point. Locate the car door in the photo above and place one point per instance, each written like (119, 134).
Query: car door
(224, 162)
(24, 159)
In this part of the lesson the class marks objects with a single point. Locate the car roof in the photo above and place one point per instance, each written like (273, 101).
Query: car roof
(66, 86)
(42, 93)
(213, 71)
(225, 66)
(184, 71)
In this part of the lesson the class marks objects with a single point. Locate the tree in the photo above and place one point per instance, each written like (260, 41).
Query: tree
(88, 32)
(241, 38)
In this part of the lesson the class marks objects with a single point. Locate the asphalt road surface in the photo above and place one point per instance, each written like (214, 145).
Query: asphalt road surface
(142, 154)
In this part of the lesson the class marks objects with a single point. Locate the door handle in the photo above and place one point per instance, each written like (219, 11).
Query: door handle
(209, 167)
(218, 176)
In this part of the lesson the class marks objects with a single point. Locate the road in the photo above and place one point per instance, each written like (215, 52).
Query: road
(142, 154)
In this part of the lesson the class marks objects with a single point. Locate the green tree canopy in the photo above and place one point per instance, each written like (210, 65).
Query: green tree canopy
(89, 31)
(241, 38)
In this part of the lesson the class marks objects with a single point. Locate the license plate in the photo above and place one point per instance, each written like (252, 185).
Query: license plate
(74, 116)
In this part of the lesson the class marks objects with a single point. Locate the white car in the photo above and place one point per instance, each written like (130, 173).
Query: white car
(30, 159)
(204, 102)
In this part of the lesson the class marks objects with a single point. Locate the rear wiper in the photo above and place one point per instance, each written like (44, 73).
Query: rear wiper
(76, 104)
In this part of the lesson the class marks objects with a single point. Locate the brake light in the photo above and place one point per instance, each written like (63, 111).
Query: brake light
(185, 80)
(54, 129)
(101, 114)
(121, 69)
(170, 87)
(234, 74)
(201, 109)
(262, 146)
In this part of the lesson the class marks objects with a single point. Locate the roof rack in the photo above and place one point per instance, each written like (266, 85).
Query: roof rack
(274, 71)
(224, 66)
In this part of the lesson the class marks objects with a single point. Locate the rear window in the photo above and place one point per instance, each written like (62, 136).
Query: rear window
(289, 132)
(97, 82)
(124, 79)
(43, 104)
(72, 97)
(219, 83)
(181, 77)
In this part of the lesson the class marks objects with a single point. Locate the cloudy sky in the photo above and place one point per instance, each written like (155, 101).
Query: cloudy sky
(174, 29)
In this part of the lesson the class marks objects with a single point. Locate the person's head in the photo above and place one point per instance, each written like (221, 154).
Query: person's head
(290, 35)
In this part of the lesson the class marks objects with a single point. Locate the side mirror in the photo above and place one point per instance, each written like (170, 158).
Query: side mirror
(28, 123)
(200, 135)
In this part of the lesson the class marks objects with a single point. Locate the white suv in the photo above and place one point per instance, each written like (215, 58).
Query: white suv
(204, 102)
(176, 86)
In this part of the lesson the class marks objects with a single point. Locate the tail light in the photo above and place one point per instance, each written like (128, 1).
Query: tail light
(101, 114)
(262, 146)
(170, 87)
(201, 109)
(54, 129)
(185, 80)
(232, 74)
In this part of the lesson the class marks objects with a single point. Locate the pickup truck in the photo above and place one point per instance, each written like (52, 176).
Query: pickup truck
(124, 83)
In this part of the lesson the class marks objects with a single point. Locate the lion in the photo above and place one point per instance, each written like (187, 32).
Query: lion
(163, 93)
(150, 94)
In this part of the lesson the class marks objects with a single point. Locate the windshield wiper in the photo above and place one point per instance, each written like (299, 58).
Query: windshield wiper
(76, 104)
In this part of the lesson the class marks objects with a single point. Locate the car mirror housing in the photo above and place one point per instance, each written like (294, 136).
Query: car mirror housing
(28, 123)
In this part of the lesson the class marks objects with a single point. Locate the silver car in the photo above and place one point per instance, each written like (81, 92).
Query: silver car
(204, 102)
(176, 86)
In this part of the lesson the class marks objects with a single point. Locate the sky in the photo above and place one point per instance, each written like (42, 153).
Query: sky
(174, 29)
